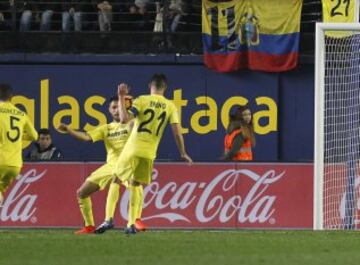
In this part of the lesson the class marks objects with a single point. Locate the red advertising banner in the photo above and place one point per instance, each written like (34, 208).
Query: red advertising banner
(205, 195)
(341, 196)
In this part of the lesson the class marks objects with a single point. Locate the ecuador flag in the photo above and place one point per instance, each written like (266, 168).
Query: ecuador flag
(254, 34)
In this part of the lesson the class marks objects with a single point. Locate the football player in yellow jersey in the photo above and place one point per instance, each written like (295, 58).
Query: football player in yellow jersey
(15, 127)
(114, 135)
(151, 113)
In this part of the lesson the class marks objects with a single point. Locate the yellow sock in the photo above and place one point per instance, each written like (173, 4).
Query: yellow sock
(1, 198)
(139, 189)
(133, 205)
(111, 200)
(86, 210)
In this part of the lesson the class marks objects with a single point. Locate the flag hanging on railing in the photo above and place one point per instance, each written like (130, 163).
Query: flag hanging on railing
(257, 35)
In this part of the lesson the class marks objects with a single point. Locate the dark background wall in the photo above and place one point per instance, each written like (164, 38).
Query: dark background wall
(282, 102)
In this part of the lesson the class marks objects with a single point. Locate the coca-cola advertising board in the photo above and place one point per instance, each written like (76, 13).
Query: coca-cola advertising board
(204, 195)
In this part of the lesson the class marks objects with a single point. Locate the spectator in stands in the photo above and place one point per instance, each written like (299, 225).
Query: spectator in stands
(175, 14)
(72, 10)
(172, 16)
(139, 7)
(44, 149)
(105, 16)
(240, 136)
(2, 18)
(141, 13)
(42, 11)
(26, 8)
(3, 9)
(159, 19)
(5, 14)
(169, 18)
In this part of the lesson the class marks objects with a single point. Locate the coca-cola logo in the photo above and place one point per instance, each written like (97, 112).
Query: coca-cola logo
(198, 196)
(208, 199)
(19, 206)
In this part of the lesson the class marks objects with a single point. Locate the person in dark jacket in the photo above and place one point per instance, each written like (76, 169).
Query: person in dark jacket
(44, 149)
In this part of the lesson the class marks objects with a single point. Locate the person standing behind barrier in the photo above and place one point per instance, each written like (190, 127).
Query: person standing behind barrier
(105, 16)
(5, 14)
(47, 10)
(173, 16)
(139, 6)
(240, 136)
(42, 11)
(175, 13)
(72, 10)
(26, 8)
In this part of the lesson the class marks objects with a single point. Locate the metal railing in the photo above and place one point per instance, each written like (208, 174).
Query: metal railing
(123, 16)
(157, 28)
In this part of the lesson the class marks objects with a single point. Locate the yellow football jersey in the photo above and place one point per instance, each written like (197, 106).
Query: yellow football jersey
(15, 126)
(114, 136)
(152, 113)
(338, 11)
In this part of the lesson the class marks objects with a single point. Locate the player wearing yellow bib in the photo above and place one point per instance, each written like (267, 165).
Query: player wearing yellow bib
(151, 113)
(114, 135)
(15, 127)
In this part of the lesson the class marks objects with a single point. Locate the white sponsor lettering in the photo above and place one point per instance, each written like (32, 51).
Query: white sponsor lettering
(19, 206)
(209, 199)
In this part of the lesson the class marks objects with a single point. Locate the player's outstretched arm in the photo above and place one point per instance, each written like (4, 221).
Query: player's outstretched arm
(82, 136)
(125, 116)
(179, 139)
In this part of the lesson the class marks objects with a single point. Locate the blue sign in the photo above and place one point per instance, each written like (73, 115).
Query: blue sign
(77, 94)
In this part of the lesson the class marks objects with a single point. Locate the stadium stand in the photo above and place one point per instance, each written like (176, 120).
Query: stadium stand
(177, 26)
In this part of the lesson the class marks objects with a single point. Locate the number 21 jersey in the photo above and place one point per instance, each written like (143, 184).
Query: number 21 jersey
(152, 113)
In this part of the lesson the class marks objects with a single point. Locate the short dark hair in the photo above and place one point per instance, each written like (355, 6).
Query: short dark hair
(159, 81)
(5, 92)
(44, 131)
(113, 98)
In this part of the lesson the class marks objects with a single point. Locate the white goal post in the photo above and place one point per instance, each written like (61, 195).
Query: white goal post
(337, 127)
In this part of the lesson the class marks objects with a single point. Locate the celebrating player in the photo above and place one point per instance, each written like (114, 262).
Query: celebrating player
(151, 113)
(114, 135)
(15, 127)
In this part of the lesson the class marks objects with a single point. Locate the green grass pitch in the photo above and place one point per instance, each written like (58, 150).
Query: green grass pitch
(172, 247)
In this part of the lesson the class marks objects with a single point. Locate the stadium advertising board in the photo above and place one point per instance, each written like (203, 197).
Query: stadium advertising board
(77, 94)
(223, 195)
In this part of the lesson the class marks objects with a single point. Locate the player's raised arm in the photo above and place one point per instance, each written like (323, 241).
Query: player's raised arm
(179, 139)
(123, 91)
(82, 136)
